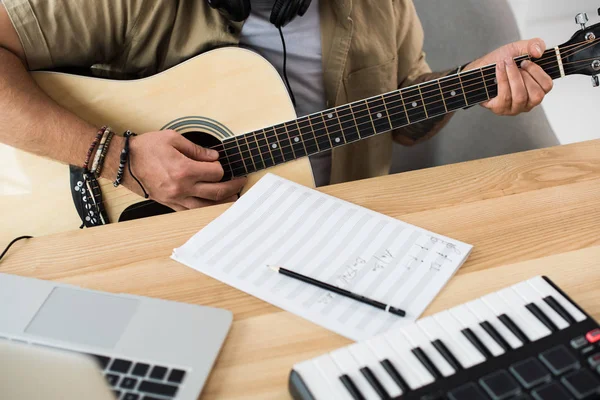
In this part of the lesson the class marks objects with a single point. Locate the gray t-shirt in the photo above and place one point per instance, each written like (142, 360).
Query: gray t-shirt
(304, 69)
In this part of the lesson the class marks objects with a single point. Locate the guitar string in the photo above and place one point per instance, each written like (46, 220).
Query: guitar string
(550, 58)
(135, 207)
(576, 62)
(289, 150)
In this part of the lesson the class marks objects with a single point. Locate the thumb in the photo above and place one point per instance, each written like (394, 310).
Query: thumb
(193, 151)
(533, 47)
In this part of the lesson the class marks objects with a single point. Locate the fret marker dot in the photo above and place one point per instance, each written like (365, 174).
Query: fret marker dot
(414, 104)
(296, 139)
(378, 115)
(274, 146)
(330, 115)
(453, 93)
(337, 140)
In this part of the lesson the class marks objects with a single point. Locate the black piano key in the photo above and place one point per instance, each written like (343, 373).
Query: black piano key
(372, 379)
(495, 335)
(551, 301)
(157, 388)
(447, 354)
(427, 363)
(514, 328)
(539, 314)
(389, 367)
(352, 389)
(477, 343)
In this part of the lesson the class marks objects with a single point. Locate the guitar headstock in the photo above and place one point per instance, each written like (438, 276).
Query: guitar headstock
(581, 54)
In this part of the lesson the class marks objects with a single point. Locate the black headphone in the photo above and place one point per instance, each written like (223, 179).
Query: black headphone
(282, 13)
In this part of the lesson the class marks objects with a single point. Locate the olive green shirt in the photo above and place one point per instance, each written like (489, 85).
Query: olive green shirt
(369, 48)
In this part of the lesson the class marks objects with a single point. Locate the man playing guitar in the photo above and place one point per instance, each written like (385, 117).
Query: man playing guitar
(340, 51)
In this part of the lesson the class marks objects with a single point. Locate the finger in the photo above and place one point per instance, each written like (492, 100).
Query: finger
(218, 191)
(535, 93)
(193, 151)
(503, 100)
(190, 203)
(539, 75)
(204, 171)
(534, 47)
(517, 87)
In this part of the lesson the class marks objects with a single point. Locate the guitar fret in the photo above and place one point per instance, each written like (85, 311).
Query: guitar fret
(250, 153)
(434, 103)
(475, 89)
(285, 143)
(296, 138)
(387, 112)
(317, 123)
(274, 145)
(404, 106)
(263, 145)
(307, 136)
(363, 119)
(414, 104)
(240, 157)
(442, 95)
(452, 93)
(257, 155)
(245, 152)
(334, 128)
(423, 101)
(484, 84)
(463, 89)
(378, 115)
(348, 124)
(224, 160)
(396, 111)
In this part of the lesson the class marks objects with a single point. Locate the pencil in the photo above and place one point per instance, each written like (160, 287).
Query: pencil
(340, 291)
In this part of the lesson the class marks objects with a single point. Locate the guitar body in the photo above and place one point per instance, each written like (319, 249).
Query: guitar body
(219, 94)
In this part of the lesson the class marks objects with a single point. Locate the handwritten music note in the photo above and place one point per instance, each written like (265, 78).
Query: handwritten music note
(281, 223)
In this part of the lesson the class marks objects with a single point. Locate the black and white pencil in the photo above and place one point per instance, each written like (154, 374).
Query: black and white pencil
(340, 291)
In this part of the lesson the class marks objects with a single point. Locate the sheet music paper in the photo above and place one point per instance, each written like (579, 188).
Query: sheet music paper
(281, 223)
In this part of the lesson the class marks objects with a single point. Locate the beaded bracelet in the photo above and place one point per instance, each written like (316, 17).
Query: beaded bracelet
(123, 160)
(92, 147)
(101, 152)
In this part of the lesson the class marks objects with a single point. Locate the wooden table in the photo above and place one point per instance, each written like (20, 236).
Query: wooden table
(513, 209)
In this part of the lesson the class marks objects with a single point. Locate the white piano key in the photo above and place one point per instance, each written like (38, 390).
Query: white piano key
(348, 365)
(415, 374)
(545, 289)
(499, 306)
(469, 320)
(530, 295)
(316, 382)
(418, 338)
(326, 366)
(517, 305)
(434, 331)
(484, 313)
(366, 358)
(453, 327)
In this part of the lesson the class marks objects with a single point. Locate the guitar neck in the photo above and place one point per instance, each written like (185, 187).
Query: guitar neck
(322, 131)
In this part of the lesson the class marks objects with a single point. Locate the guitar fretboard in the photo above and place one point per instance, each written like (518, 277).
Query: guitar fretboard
(322, 131)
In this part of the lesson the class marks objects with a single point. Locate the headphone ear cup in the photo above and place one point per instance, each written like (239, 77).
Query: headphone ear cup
(284, 11)
(233, 10)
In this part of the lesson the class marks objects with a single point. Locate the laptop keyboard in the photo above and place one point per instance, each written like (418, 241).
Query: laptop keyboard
(132, 380)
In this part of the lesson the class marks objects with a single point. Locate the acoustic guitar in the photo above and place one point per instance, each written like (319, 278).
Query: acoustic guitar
(234, 101)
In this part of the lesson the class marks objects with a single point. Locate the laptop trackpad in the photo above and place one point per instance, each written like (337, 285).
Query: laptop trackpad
(83, 317)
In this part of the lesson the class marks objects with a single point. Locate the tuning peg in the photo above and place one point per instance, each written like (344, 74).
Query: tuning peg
(582, 19)
(595, 81)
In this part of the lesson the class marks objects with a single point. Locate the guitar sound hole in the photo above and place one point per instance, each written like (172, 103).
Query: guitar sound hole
(150, 208)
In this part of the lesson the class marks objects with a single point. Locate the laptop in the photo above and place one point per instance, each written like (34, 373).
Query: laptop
(145, 348)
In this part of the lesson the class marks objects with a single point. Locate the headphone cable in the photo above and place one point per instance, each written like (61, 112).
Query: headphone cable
(285, 68)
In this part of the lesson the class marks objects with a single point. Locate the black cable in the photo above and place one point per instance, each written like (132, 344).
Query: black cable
(134, 177)
(285, 68)
(13, 242)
